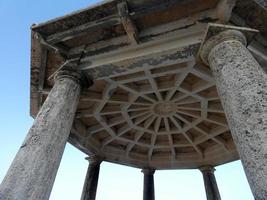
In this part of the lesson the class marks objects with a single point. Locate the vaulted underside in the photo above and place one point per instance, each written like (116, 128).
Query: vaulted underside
(152, 103)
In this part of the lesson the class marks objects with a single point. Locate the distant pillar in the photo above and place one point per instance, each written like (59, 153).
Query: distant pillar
(32, 173)
(148, 192)
(212, 191)
(91, 179)
(242, 87)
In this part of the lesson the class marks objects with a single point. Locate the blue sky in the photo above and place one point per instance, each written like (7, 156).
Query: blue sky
(115, 182)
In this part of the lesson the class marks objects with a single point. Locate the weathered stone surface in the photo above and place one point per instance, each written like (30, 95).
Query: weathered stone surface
(91, 179)
(33, 171)
(212, 191)
(242, 87)
(148, 192)
(231, 35)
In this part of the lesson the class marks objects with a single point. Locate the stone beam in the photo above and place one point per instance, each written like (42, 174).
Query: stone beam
(127, 22)
(214, 156)
(182, 27)
(82, 29)
(224, 10)
(174, 56)
(169, 51)
(108, 21)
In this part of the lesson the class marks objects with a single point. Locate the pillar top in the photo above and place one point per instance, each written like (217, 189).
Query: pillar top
(148, 171)
(94, 159)
(218, 33)
(207, 168)
(70, 70)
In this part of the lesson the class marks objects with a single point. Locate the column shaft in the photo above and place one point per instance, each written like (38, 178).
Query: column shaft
(211, 188)
(148, 191)
(242, 86)
(91, 180)
(33, 171)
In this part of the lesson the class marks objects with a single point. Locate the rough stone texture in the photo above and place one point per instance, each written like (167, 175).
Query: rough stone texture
(212, 191)
(148, 192)
(242, 86)
(91, 179)
(33, 171)
(218, 36)
(159, 59)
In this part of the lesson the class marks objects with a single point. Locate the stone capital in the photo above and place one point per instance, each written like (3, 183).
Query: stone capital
(207, 169)
(94, 159)
(228, 35)
(218, 33)
(148, 171)
(71, 72)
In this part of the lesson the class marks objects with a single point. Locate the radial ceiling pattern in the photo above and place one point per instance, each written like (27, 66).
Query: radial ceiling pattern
(157, 116)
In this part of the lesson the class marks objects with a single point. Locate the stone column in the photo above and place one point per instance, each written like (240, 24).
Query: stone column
(91, 179)
(211, 187)
(148, 191)
(33, 171)
(242, 87)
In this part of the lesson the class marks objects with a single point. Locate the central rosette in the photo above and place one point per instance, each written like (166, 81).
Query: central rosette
(164, 108)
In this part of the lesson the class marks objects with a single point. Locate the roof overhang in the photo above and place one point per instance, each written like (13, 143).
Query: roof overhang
(116, 40)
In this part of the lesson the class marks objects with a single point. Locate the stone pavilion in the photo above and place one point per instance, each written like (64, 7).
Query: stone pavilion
(152, 84)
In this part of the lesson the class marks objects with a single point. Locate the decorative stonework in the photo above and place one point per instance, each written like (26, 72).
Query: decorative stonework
(207, 168)
(70, 71)
(157, 115)
(94, 159)
(164, 109)
(151, 105)
(218, 33)
(148, 171)
(228, 35)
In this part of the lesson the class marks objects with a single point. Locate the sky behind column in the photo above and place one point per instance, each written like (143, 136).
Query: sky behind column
(116, 182)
